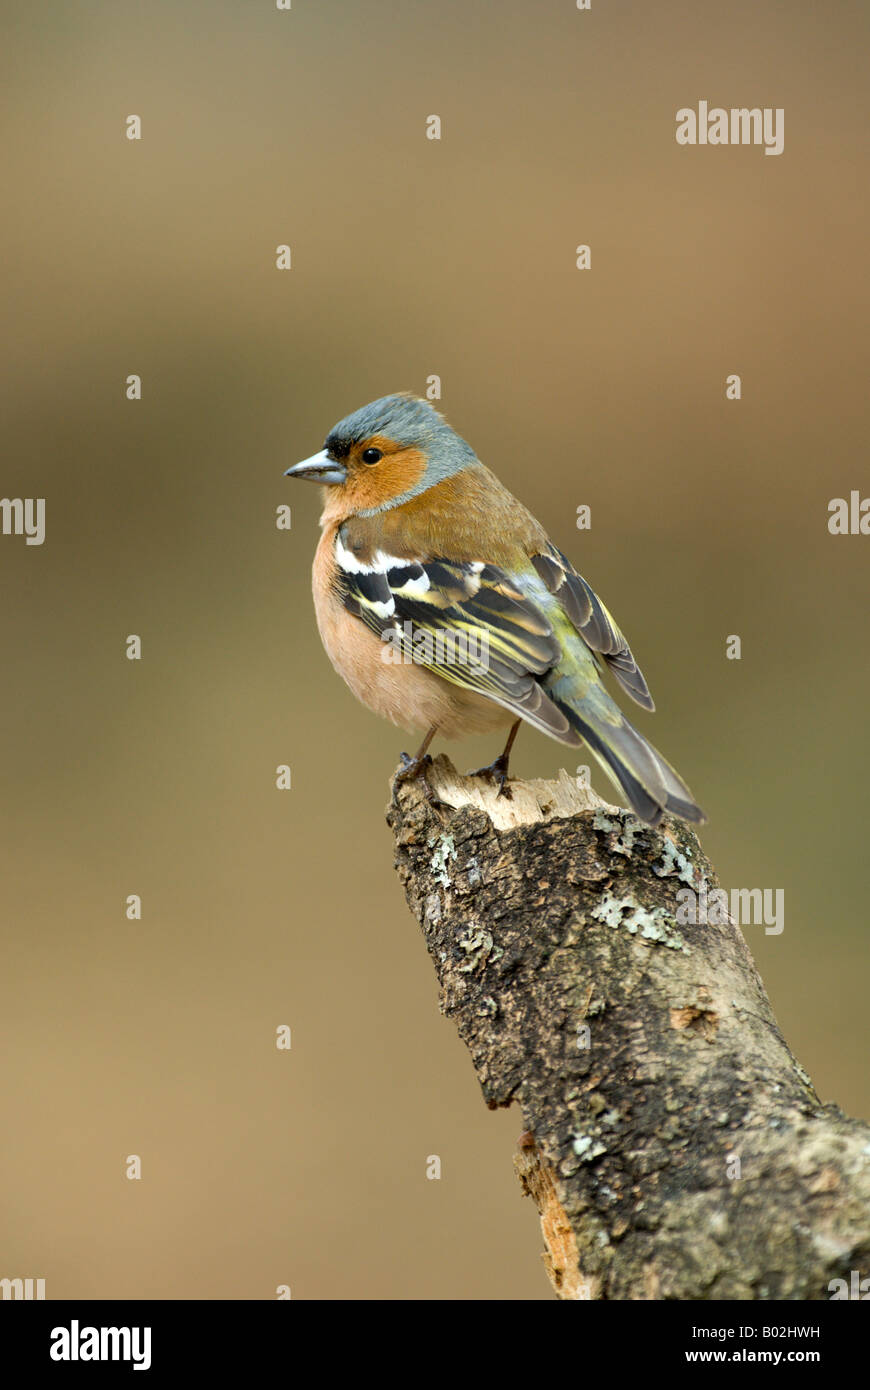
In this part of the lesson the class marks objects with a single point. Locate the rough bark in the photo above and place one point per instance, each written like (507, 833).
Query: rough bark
(676, 1150)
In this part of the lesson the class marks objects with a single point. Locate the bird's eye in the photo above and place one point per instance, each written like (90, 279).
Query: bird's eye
(371, 455)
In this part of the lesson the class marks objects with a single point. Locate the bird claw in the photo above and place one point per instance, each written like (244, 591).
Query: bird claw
(411, 769)
(496, 772)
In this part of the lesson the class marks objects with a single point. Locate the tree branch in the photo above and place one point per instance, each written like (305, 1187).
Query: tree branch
(674, 1147)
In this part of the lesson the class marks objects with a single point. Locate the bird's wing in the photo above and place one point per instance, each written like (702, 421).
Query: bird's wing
(592, 620)
(469, 622)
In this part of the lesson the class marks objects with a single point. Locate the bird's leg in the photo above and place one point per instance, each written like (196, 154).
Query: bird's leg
(498, 771)
(409, 768)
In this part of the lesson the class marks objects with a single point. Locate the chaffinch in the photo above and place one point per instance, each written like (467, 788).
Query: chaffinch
(444, 606)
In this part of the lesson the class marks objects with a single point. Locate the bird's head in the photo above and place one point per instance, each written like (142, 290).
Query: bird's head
(385, 453)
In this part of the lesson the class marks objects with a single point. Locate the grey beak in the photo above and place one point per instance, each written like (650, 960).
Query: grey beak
(320, 468)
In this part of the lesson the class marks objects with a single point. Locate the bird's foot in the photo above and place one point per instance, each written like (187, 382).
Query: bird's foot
(411, 769)
(496, 772)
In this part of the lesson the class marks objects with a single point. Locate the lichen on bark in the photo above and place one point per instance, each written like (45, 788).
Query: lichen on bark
(673, 1145)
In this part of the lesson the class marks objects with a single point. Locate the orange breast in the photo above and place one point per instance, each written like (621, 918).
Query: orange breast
(407, 694)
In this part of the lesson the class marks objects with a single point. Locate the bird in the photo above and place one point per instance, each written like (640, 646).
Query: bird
(445, 607)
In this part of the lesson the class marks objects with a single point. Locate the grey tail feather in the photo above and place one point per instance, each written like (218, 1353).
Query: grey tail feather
(649, 782)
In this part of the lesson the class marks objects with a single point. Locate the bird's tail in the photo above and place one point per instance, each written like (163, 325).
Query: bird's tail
(647, 779)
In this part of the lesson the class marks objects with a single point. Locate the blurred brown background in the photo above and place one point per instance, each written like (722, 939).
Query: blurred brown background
(410, 257)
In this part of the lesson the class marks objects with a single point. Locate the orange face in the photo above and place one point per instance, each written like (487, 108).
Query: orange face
(365, 474)
(379, 469)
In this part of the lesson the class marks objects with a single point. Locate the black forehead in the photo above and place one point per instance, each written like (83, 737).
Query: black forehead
(338, 446)
(404, 419)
